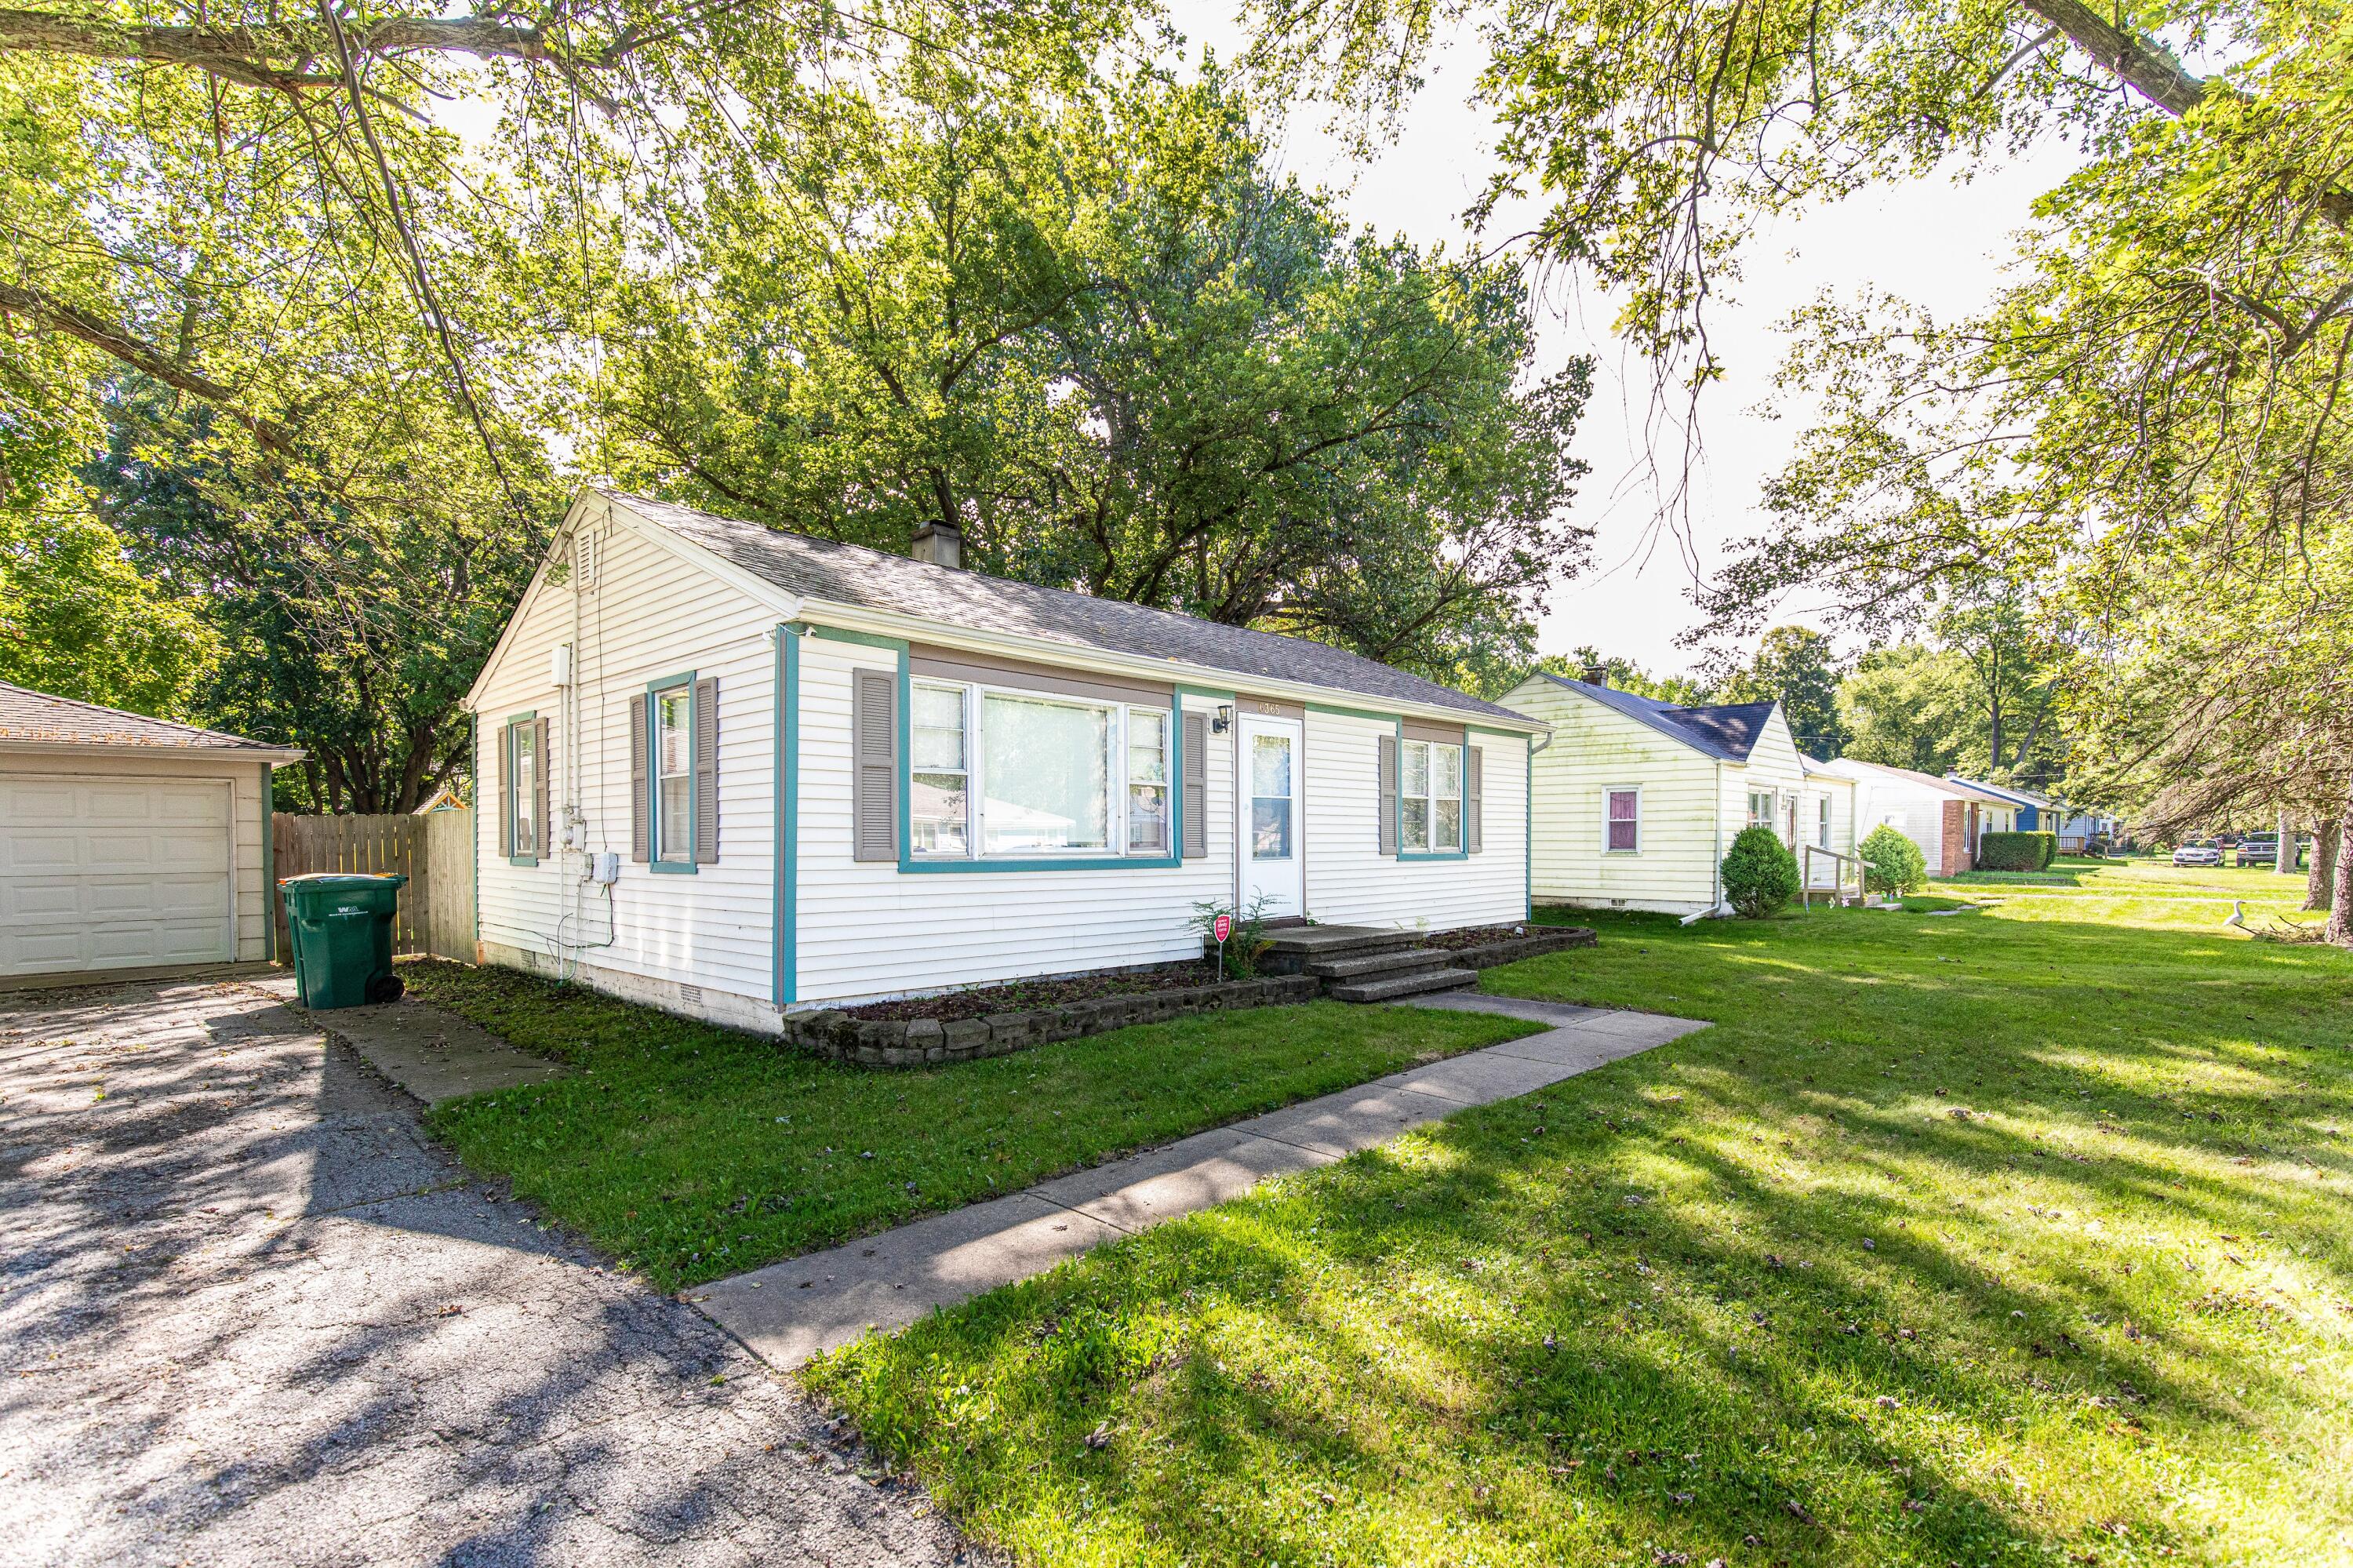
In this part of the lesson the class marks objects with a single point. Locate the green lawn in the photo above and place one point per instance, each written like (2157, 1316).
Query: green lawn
(2018, 1235)
(691, 1152)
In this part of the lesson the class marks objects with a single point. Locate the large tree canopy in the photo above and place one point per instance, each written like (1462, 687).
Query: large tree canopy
(1089, 329)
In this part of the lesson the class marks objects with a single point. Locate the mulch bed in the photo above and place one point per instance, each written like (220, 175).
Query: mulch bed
(1023, 996)
(1479, 935)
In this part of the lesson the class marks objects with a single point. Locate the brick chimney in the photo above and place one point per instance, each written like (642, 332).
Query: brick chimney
(942, 544)
(1596, 674)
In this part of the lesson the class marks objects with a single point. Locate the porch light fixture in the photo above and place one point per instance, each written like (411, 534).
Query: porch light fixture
(1224, 721)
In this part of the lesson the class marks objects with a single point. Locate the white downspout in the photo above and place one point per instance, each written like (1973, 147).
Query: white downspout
(1715, 862)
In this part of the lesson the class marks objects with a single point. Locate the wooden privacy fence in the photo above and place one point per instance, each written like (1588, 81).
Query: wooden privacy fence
(434, 852)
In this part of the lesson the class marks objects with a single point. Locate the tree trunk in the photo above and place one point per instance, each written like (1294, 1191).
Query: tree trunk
(2284, 859)
(2321, 882)
(2340, 903)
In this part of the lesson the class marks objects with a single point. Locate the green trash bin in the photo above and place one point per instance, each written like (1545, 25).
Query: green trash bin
(340, 923)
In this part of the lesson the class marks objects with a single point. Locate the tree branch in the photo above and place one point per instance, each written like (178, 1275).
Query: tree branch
(113, 338)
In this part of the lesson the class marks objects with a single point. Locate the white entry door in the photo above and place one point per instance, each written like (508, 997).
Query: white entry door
(113, 874)
(1268, 800)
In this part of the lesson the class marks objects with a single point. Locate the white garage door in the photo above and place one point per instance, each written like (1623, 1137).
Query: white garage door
(99, 874)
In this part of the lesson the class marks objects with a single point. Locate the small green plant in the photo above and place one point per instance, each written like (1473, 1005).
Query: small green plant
(1760, 875)
(1896, 863)
(1245, 943)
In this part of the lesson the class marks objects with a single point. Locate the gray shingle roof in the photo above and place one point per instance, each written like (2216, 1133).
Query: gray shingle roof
(31, 716)
(1725, 731)
(876, 579)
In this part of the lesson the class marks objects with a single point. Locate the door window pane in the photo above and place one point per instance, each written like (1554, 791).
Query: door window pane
(1270, 797)
(674, 775)
(1047, 771)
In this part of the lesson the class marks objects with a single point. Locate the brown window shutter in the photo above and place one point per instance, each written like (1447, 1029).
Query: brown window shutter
(1388, 792)
(874, 727)
(539, 784)
(706, 771)
(506, 796)
(1196, 745)
(638, 838)
(1475, 808)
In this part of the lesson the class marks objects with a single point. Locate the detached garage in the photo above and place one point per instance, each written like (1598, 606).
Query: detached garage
(129, 847)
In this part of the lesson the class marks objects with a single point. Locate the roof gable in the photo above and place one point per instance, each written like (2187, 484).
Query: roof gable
(1727, 732)
(852, 575)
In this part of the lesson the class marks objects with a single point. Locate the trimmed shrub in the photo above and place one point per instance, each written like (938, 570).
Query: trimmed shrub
(2016, 851)
(1760, 875)
(1896, 864)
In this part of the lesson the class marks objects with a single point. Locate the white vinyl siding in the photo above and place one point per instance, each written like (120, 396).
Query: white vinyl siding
(651, 615)
(1349, 881)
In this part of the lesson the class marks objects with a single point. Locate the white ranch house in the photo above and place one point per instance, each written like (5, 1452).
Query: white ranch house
(1944, 816)
(1637, 801)
(732, 771)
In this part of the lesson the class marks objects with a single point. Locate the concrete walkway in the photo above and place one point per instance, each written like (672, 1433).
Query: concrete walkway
(790, 1311)
(434, 1055)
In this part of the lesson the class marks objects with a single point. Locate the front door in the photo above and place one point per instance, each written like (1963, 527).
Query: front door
(1269, 802)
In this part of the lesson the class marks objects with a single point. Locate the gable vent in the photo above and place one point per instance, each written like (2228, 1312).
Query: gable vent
(584, 559)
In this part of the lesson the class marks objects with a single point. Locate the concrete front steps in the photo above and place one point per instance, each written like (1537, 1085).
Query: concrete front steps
(1365, 963)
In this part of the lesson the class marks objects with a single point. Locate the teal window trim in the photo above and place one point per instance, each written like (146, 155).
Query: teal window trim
(982, 865)
(506, 781)
(862, 639)
(1529, 828)
(654, 861)
(785, 910)
(1462, 818)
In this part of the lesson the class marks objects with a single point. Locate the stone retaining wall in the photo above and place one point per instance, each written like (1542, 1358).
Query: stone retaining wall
(920, 1042)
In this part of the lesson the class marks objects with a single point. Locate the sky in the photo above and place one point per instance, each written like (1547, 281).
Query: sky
(1933, 241)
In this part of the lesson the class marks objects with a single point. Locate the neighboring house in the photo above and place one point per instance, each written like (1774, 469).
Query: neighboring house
(819, 774)
(445, 798)
(2076, 830)
(129, 847)
(1636, 801)
(1944, 817)
(2035, 812)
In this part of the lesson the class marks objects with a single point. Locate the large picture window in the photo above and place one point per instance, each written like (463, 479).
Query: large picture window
(674, 775)
(1430, 796)
(1022, 775)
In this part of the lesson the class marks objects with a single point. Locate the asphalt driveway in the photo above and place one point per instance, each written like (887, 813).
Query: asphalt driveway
(248, 1315)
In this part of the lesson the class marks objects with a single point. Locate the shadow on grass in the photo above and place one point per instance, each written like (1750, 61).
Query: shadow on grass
(1948, 1244)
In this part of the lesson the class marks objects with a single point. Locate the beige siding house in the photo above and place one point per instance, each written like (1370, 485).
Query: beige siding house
(1636, 801)
(733, 771)
(129, 847)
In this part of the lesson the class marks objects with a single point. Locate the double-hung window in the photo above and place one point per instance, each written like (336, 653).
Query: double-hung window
(523, 786)
(1430, 796)
(939, 798)
(674, 775)
(1822, 821)
(1760, 807)
(1622, 821)
(1147, 781)
(1017, 775)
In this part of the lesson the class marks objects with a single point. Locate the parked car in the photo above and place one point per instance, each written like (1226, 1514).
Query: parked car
(2258, 849)
(2198, 852)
